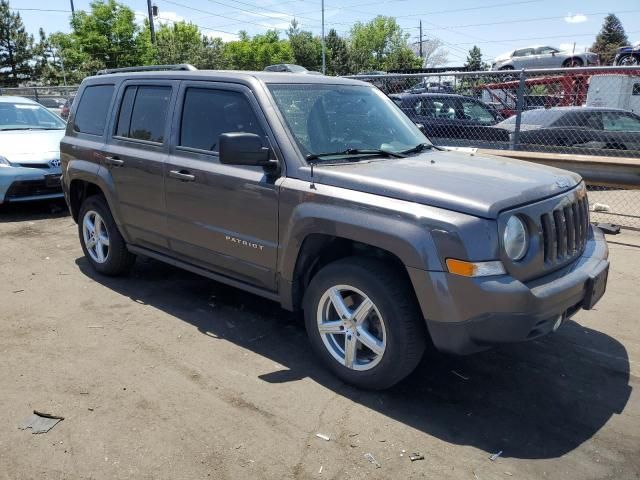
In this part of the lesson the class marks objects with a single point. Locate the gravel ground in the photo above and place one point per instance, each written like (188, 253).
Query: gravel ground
(164, 374)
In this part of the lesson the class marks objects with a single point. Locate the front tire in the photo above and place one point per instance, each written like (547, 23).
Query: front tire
(629, 60)
(100, 238)
(364, 323)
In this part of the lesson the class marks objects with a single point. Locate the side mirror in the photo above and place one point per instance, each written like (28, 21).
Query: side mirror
(240, 148)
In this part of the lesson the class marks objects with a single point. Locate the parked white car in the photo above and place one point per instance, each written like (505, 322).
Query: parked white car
(29, 151)
(543, 57)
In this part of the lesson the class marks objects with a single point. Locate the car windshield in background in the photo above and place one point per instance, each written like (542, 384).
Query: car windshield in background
(341, 118)
(27, 116)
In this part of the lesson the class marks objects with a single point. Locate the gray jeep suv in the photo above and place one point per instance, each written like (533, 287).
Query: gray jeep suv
(319, 193)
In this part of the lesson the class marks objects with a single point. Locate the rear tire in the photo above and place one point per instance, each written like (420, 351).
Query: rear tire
(573, 62)
(100, 238)
(387, 337)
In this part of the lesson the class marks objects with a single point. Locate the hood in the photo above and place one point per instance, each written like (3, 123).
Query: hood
(503, 56)
(478, 185)
(24, 146)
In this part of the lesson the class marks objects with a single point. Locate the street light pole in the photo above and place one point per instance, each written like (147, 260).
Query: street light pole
(324, 61)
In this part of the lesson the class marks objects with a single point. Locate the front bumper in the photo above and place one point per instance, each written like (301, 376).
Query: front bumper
(466, 315)
(22, 184)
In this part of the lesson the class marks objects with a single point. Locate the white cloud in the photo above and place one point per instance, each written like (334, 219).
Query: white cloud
(164, 17)
(225, 37)
(575, 18)
(168, 17)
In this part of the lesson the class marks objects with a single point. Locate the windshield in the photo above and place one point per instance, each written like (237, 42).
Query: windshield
(337, 118)
(27, 116)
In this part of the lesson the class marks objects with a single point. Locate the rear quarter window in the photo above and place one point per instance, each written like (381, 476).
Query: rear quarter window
(91, 114)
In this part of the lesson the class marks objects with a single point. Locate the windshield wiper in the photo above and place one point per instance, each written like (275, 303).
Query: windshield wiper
(356, 151)
(420, 147)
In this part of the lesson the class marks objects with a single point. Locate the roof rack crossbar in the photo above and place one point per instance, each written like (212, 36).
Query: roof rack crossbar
(147, 68)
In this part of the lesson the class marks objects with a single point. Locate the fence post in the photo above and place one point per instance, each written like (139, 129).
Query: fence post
(515, 140)
(35, 91)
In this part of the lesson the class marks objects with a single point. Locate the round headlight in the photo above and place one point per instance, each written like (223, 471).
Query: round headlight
(515, 239)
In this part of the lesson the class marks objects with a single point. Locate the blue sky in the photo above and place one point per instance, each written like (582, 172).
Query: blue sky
(496, 26)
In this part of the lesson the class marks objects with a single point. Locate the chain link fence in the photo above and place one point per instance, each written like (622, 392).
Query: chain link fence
(591, 114)
(57, 99)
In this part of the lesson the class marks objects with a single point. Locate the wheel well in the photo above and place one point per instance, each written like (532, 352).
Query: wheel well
(319, 250)
(78, 192)
(568, 61)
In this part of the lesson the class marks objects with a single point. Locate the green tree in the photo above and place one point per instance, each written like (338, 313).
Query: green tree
(306, 49)
(180, 42)
(105, 37)
(16, 48)
(380, 45)
(255, 53)
(337, 54)
(611, 37)
(48, 69)
(474, 60)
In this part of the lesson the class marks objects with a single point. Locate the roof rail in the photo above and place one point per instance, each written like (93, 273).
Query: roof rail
(147, 68)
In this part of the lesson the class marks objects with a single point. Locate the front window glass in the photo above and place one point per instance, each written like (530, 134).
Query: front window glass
(333, 118)
(208, 113)
(28, 116)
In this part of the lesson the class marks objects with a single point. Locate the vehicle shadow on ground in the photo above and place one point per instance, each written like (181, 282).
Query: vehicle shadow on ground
(37, 210)
(541, 399)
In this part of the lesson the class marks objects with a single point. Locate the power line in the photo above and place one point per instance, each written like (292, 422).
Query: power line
(521, 20)
(438, 12)
(216, 15)
(53, 10)
(539, 38)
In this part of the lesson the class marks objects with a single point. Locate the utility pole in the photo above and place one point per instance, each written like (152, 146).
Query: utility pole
(151, 27)
(73, 10)
(421, 54)
(324, 61)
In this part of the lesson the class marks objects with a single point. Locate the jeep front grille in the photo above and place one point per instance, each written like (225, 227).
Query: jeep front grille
(564, 231)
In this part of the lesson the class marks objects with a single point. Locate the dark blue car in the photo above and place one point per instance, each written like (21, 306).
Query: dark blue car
(628, 55)
(453, 120)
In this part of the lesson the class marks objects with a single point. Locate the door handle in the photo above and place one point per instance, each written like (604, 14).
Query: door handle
(114, 161)
(183, 175)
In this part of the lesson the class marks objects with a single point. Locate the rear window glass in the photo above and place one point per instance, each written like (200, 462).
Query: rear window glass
(536, 117)
(208, 113)
(91, 115)
(143, 113)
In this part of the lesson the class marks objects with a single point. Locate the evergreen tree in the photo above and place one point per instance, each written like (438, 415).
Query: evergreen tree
(610, 38)
(474, 60)
(16, 48)
(337, 54)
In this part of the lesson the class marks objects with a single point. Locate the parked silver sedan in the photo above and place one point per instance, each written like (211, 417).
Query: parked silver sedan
(543, 57)
(29, 151)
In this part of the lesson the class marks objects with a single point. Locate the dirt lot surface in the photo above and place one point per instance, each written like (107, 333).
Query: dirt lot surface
(164, 374)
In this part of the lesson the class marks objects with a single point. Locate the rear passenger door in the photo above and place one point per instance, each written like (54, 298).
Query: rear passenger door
(220, 217)
(135, 156)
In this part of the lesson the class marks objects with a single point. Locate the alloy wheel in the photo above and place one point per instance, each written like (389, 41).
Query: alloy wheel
(351, 327)
(96, 236)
